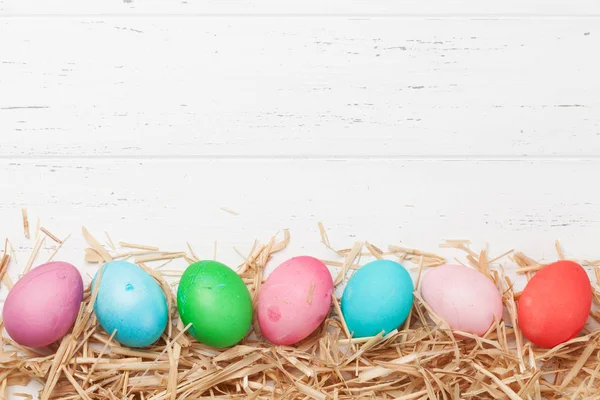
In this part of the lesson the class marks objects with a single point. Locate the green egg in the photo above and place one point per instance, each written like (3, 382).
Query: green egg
(215, 300)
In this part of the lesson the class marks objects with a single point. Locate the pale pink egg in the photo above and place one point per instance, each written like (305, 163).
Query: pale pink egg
(43, 305)
(463, 297)
(294, 300)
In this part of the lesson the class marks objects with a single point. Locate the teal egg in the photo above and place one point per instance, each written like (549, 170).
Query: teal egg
(131, 302)
(378, 297)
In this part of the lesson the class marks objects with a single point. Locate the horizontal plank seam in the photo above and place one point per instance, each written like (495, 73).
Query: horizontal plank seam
(591, 16)
(300, 157)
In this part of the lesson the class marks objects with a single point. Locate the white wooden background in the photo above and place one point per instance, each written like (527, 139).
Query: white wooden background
(390, 121)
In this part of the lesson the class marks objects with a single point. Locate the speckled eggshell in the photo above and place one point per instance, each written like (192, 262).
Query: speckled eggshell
(43, 305)
(132, 302)
(555, 304)
(463, 297)
(378, 297)
(214, 299)
(294, 300)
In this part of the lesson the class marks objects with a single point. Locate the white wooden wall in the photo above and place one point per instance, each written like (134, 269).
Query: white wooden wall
(392, 121)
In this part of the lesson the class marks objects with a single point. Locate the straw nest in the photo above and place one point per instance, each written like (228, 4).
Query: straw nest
(422, 360)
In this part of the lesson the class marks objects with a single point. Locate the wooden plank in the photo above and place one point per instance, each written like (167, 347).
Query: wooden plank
(299, 87)
(520, 204)
(524, 205)
(302, 7)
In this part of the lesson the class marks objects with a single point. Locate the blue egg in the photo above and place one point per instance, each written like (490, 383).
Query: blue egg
(378, 297)
(132, 302)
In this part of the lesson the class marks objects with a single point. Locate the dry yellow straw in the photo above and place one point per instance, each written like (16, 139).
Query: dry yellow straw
(422, 360)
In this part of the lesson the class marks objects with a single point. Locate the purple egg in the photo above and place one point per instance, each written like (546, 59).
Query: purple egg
(43, 305)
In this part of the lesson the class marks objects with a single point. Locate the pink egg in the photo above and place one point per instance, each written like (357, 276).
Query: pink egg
(294, 300)
(463, 297)
(43, 304)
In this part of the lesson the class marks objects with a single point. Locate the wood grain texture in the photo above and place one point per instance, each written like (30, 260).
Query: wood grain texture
(293, 87)
(507, 203)
(302, 7)
(524, 205)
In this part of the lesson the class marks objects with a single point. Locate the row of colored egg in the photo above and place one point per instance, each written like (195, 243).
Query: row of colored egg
(293, 302)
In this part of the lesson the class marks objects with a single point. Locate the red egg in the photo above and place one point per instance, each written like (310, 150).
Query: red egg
(555, 304)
